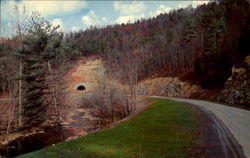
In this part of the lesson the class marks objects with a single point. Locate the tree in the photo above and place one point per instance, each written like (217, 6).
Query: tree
(19, 22)
(40, 46)
(129, 74)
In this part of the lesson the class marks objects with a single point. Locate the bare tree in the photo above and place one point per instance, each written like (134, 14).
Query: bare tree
(7, 114)
(108, 101)
(129, 73)
(54, 86)
(19, 22)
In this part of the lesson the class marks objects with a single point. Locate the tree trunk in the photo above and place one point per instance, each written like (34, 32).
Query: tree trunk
(54, 96)
(20, 95)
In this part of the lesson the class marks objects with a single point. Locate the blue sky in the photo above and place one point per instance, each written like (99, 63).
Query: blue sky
(74, 15)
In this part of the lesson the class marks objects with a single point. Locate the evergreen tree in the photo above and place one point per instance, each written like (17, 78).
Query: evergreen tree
(40, 45)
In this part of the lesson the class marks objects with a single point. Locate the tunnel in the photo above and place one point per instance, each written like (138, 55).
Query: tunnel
(81, 88)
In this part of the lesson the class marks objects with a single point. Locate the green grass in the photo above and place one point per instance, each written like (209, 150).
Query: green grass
(165, 129)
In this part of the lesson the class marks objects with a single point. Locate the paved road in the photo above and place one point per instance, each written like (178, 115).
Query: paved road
(235, 121)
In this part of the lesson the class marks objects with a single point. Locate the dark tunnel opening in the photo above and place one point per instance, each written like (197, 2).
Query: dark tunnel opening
(81, 88)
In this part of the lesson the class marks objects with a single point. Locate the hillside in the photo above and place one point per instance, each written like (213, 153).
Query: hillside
(187, 43)
(57, 85)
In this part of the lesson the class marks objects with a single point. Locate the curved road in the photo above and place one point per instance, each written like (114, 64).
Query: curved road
(232, 126)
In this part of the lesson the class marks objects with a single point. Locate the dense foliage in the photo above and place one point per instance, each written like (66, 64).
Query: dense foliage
(32, 58)
(202, 44)
(40, 45)
(198, 45)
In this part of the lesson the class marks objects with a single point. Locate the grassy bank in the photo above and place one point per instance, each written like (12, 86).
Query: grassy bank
(165, 129)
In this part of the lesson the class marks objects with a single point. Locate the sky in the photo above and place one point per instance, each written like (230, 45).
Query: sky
(74, 15)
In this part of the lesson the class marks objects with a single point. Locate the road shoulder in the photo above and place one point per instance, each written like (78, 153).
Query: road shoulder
(218, 140)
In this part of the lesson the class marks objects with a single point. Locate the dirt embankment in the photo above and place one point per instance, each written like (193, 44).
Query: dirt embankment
(85, 72)
(77, 121)
(173, 87)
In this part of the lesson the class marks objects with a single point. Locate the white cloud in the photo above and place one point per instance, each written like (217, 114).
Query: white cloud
(46, 7)
(92, 19)
(57, 22)
(183, 5)
(161, 9)
(194, 4)
(129, 18)
(104, 19)
(128, 9)
(9, 24)
(75, 28)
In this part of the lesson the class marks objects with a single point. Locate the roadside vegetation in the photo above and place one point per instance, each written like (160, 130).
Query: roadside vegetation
(165, 129)
(186, 43)
(197, 45)
(110, 101)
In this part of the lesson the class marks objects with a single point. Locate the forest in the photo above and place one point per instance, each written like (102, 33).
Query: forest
(191, 42)
(197, 45)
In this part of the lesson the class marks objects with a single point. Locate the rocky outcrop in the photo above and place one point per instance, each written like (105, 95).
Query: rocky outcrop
(237, 88)
(172, 87)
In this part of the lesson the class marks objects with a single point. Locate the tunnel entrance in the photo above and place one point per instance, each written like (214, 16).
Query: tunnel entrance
(81, 88)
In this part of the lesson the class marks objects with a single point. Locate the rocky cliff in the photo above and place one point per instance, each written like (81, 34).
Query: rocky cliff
(237, 88)
(173, 87)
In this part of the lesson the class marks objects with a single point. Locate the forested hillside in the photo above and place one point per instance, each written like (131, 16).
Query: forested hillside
(198, 45)
(201, 52)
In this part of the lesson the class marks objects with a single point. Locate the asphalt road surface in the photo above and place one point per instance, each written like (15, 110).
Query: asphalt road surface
(227, 129)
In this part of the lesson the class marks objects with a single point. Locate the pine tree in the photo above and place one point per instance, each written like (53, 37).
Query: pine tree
(40, 45)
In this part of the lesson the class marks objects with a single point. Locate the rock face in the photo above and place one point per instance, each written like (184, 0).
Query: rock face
(237, 88)
(85, 73)
(172, 87)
